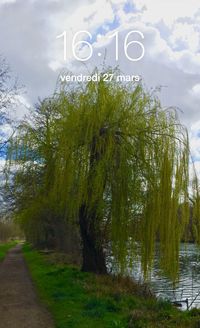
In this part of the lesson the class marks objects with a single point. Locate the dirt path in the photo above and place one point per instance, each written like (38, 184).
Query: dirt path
(19, 306)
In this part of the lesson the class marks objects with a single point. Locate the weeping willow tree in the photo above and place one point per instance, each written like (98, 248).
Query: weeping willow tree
(195, 209)
(117, 165)
(122, 170)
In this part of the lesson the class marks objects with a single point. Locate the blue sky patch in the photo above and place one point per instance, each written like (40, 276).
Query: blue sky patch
(129, 7)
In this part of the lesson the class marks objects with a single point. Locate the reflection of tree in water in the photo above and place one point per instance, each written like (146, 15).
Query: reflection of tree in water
(188, 285)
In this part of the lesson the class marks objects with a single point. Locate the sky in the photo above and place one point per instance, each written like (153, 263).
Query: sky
(171, 30)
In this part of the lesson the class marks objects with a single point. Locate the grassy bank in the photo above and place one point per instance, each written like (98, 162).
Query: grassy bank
(4, 248)
(78, 299)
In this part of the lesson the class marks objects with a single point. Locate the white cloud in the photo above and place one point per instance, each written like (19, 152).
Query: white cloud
(195, 141)
(2, 164)
(169, 10)
(195, 91)
(3, 2)
(172, 34)
(185, 36)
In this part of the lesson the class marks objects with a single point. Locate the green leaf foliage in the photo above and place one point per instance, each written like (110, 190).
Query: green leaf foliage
(113, 148)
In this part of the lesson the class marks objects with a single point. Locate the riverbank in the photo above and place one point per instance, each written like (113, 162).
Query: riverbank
(78, 299)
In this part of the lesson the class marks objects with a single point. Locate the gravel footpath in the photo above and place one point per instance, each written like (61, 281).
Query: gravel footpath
(19, 305)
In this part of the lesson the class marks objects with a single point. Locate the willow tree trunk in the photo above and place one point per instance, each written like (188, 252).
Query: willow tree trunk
(92, 249)
(90, 224)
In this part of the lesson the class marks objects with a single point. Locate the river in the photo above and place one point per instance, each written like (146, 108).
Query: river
(188, 286)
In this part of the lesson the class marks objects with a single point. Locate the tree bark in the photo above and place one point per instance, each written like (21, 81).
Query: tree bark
(92, 248)
(90, 224)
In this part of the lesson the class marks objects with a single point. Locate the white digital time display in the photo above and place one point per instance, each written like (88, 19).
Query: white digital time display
(78, 44)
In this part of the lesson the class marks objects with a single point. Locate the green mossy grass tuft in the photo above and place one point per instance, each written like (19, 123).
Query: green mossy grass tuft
(4, 248)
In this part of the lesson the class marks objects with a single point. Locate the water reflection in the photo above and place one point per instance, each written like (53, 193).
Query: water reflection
(188, 286)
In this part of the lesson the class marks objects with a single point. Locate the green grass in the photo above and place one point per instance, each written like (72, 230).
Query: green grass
(4, 248)
(78, 299)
